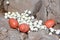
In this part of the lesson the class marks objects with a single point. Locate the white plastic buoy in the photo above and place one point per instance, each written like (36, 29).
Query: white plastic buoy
(17, 13)
(6, 14)
(24, 22)
(52, 30)
(29, 18)
(38, 26)
(22, 14)
(7, 2)
(5, 17)
(35, 29)
(23, 17)
(40, 22)
(26, 15)
(58, 32)
(35, 23)
(42, 27)
(32, 17)
(29, 12)
(26, 11)
(30, 23)
(9, 13)
(50, 33)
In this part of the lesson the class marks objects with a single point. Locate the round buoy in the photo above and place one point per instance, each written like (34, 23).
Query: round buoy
(13, 23)
(24, 27)
(50, 23)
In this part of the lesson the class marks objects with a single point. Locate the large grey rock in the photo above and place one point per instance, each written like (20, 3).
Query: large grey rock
(47, 9)
(16, 35)
(3, 33)
(41, 35)
(13, 34)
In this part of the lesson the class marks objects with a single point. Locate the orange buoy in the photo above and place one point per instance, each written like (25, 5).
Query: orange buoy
(13, 23)
(50, 23)
(24, 27)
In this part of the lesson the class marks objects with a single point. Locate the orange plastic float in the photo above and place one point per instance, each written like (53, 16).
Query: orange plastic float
(13, 23)
(24, 27)
(50, 23)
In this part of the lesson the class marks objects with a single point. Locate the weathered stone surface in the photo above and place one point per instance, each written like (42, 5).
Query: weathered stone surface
(3, 33)
(41, 35)
(48, 10)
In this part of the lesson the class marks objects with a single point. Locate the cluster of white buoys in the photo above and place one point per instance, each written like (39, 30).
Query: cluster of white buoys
(34, 24)
(54, 31)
